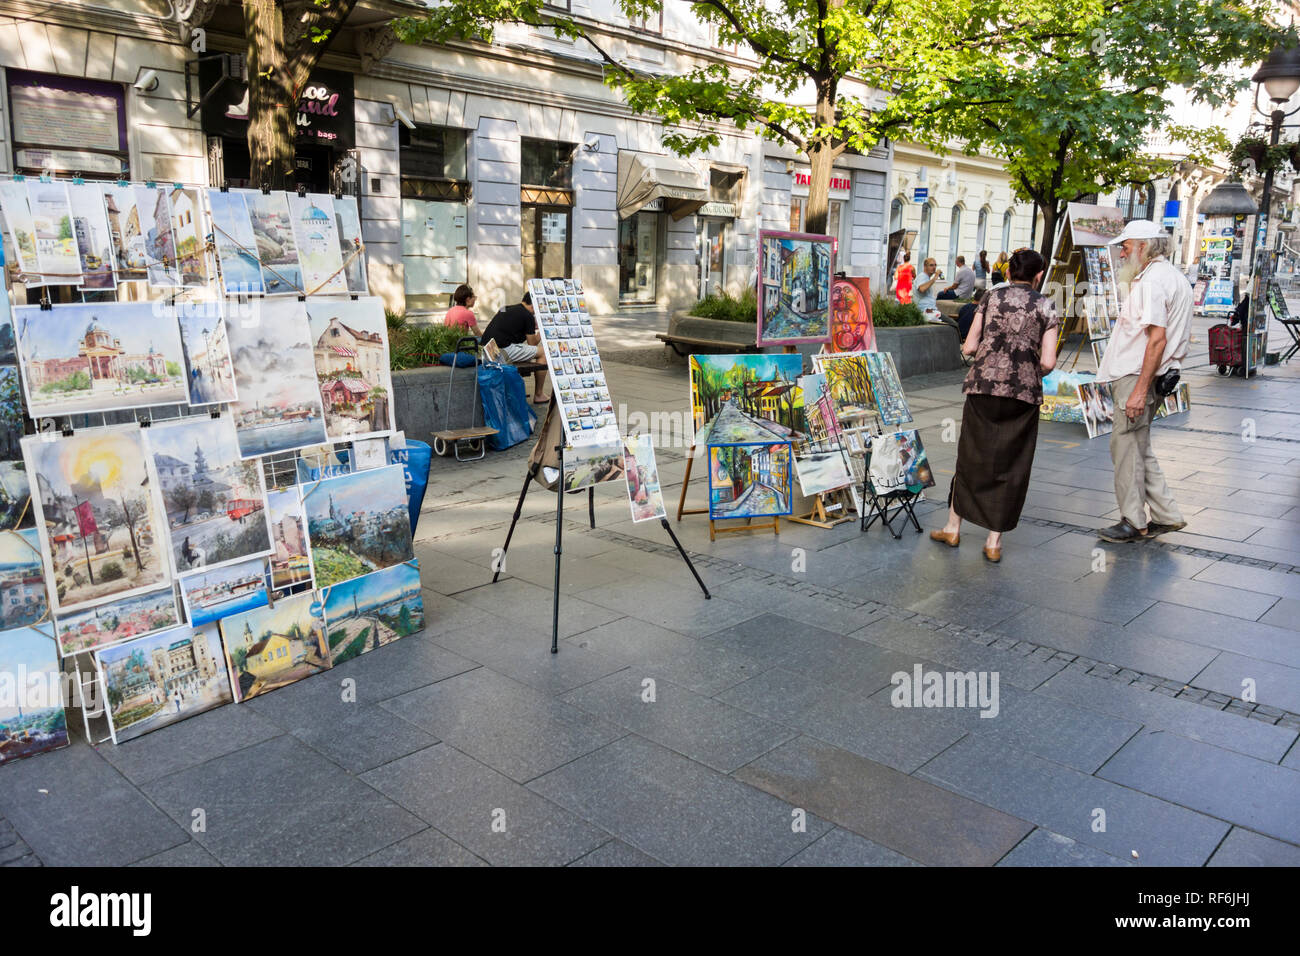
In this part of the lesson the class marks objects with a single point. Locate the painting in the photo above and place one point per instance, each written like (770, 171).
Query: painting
(22, 585)
(849, 380)
(218, 592)
(357, 523)
(106, 624)
(56, 244)
(851, 327)
(1094, 225)
(98, 514)
(209, 372)
(643, 491)
(347, 226)
(316, 236)
(94, 241)
(586, 465)
(32, 720)
(1098, 407)
(279, 407)
(373, 610)
(15, 496)
(1061, 397)
(153, 682)
(130, 262)
(1098, 347)
(214, 500)
(277, 253)
(350, 353)
(290, 560)
(189, 236)
(232, 234)
(99, 357)
(11, 414)
(794, 288)
(898, 460)
(739, 398)
(887, 389)
(820, 462)
(271, 647)
(750, 480)
(22, 233)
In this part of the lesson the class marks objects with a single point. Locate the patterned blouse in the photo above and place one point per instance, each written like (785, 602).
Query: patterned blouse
(1011, 344)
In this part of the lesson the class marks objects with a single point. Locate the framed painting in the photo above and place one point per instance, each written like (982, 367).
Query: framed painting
(750, 480)
(794, 288)
(368, 612)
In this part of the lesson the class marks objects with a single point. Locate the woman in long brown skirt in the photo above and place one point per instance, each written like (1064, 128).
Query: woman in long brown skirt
(1013, 339)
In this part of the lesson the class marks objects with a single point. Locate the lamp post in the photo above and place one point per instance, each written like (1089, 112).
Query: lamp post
(1279, 74)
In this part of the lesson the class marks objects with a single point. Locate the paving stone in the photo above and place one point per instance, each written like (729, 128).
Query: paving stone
(462, 798)
(980, 609)
(918, 820)
(523, 654)
(1250, 638)
(523, 604)
(842, 847)
(1275, 684)
(1212, 780)
(1062, 800)
(426, 848)
(279, 803)
(1244, 848)
(676, 810)
(509, 726)
(1275, 583)
(189, 854)
(1045, 848)
(616, 853)
(1285, 613)
(667, 605)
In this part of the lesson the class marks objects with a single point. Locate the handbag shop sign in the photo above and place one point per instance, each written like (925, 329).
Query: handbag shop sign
(325, 114)
(841, 184)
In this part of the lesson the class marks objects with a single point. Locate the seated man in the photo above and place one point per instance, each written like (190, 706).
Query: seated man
(966, 316)
(923, 292)
(514, 330)
(963, 283)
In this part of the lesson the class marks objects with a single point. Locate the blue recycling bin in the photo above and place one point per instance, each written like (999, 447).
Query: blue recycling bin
(415, 459)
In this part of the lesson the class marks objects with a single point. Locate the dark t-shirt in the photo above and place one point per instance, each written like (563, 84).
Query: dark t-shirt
(511, 326)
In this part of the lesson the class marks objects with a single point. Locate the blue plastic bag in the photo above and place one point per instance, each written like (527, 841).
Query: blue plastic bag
(415, 460)
(505, 405)
(458, 359)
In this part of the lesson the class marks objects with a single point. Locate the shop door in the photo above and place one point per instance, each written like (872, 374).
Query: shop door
(712, 256)
(544, 241)
(433, 252)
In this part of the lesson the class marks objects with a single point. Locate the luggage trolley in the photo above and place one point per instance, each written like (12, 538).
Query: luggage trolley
(1227, 348)
(473, 438)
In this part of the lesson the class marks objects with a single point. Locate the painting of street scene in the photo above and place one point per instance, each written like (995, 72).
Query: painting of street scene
(738, 398)
(794, 289)
(124, 217)
(886, 389)
(217, 592)
(643, 491)
(279, 407)
(116, 621)
(215, 501)
(347, 223)
(371, 611)
(351, 359)
(820, 461)
(56, 244)
(290, 562)
(749, 481)
(31, 712)
(586, 465)
(358, 523)
(274, 646)
(232, 234)
(273, 233)
(157, 680)
(209, 373)
(94, 241)
(849, 380)
(98, 515)
(99, 357)
(22, 583)
(18, 222)
(188, 235)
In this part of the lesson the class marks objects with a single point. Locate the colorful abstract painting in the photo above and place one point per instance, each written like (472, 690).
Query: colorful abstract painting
(821, 460)
(849, 378)
(750, 480)
(794, 288)
(898, 460)
(851, 327)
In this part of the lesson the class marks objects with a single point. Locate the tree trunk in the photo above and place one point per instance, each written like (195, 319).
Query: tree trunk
(271, 97)
(821, 156)
(1051, 216)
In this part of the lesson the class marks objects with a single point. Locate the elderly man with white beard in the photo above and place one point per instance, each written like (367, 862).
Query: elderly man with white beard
(1149, 340)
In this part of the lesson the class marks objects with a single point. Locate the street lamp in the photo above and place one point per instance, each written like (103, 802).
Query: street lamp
(1279, 75)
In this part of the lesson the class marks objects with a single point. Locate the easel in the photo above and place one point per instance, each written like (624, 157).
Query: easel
(825, 503)
(551, 438)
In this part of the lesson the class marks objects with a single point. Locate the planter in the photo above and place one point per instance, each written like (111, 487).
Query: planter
(731, 336)
(921, 349)
(420, 400)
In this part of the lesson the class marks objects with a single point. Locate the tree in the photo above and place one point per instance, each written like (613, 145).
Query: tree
(1072, 117)
(182, 497)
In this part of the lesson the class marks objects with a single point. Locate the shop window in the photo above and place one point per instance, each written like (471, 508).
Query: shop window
(434, 193)
(67, 126)
(895, 216)
(638, 241)
(546, 164)
(433, 152)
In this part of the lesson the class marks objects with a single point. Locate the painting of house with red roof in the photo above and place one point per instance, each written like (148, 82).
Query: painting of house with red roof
(351, 354)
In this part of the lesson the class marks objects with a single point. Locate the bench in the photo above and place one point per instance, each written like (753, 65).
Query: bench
(696, 344)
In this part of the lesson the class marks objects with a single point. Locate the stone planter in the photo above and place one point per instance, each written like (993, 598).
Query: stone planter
(738, 336)
(420, 400)
(921, 349)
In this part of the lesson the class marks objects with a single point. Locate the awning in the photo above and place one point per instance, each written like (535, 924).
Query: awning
(645, 177)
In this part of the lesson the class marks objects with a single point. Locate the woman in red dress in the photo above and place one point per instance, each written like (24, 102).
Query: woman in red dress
(903, 277)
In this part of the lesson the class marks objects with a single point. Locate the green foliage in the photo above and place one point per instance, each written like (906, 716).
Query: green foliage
(78, 381)
(110, 572)
(173, 369)
(728, 308)
(1253, 151)
(414, 346)
(887, 312)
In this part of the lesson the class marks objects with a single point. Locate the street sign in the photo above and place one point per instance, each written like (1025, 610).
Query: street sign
(920, 193)
(1173, 211)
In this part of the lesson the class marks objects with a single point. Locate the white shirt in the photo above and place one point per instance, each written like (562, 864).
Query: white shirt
(1159, 296)
(964, 282)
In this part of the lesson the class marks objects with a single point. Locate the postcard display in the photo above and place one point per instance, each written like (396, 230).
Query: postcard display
(219, 334)
(578, 443)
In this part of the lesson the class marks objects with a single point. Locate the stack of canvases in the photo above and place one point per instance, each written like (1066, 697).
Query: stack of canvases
(158, 553)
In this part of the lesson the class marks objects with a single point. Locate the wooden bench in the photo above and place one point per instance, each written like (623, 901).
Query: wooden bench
(696, 344)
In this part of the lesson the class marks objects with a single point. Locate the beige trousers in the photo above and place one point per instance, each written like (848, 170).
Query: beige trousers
(1138, 478)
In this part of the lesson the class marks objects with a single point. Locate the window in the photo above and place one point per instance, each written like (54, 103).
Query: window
(432, 152)
(895, 216)
(923, 239)
(954, 240)
(1006, 232)
(1136, 202)
(981, 231)
(725, 185)
(557, 4)
(546, 164)
(650, 22)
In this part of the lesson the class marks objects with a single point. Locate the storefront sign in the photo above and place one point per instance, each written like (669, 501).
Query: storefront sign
(66, 124)
(841, 185)
(724, 210)
(920, 194)
(1219, 299)
(325, 114)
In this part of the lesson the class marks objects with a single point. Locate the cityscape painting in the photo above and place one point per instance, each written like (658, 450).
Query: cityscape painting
(99, 357)
(736, 398)
(232, 234)
(351, 357)
(316, 235)
(279, 406)
(277, 253)
(18, 221)
(56, 244)
(794, 288)
(643, 491)
(373, 610)
(886, 389)
(209, 373)
(100, 523)
(217, 592)
(749, 480)
(22, 585)
(273, 646)
(848, 376)
(15, 496)
(94, 241)
(347, 222)
(188, 235)
(32, 720)
(290, 560)
(155, 681)
(358, 523)
(116, 621)
(215, 501)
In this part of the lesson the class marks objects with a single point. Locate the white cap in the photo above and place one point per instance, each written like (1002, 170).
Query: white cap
(1140, 229)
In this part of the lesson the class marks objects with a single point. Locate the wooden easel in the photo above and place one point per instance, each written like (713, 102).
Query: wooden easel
(825, 504)
(714, 530)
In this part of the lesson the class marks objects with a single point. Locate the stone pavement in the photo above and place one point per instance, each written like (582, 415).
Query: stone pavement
(757, 727)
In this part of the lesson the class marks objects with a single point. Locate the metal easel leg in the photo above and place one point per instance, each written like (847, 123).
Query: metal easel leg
(519, 507)
(685, 557)
(559, 531)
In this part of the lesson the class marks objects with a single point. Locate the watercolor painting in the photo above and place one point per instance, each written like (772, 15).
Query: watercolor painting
(749, 480)
(794, 288)
(290, 560)
(357, 523)
(277, 252)
(271, 647)
(116, 621)
(347, 223)
(352, 370)
(232, 234)
(279, 407)
(316, 236)
(1098, 407)
(22, 232)
(32, 720)
(22, 581)
(97, 511)
(99, 357)
(643, 491)
(130, 261)
(737, 398)
(155, 681)
(188, 235)
(820, 461)
(11, 414)
(1094, 225)
(56, 243)
(94, 241)
(214, 500)
(15, 496)
(217, 592)
(368, 612)
(586, 465)
(209, 372)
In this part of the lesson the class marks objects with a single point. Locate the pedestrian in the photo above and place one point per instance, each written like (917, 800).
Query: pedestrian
(461, 312)
(903, 277)
(1001, 264)
(514, 330)
(1013, 339)
(1149, 342)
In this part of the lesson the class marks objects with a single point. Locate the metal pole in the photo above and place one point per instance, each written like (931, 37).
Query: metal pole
(519, 507)
(1265, 203)
(685, 557)
(559, 530)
